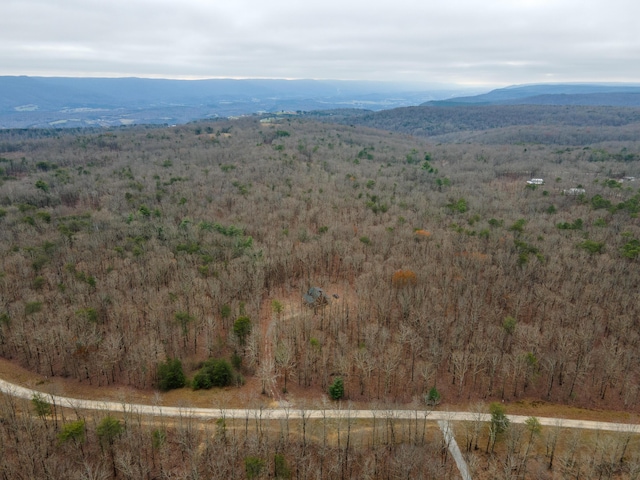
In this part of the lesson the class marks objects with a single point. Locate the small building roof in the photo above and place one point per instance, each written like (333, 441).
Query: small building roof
(535, 181)
(315, 295)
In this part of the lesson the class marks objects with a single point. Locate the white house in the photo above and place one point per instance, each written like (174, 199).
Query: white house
(535, 181)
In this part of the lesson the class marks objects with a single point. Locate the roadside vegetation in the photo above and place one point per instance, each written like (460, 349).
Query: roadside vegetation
(54, 443)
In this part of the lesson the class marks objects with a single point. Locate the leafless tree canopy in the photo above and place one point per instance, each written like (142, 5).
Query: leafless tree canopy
(121, 248)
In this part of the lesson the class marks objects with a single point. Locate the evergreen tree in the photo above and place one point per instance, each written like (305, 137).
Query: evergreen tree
(336, 390)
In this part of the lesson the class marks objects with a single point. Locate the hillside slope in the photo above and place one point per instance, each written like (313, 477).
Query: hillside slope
(495, 124)
(552, 94)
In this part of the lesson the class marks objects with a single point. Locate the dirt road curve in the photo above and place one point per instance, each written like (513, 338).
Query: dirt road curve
(293, 412)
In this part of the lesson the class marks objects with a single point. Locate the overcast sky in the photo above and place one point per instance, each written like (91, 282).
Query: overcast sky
(473, 42)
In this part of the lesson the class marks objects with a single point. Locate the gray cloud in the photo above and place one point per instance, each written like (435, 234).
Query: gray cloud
(463, 41)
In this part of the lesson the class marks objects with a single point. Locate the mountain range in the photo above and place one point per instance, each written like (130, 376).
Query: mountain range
(57, 102)
(615, 95)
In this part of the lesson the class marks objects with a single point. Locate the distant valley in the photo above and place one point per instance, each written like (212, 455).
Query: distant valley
(38, 102)
(50, 102)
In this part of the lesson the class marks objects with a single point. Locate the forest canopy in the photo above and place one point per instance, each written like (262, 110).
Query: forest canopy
(127, 250)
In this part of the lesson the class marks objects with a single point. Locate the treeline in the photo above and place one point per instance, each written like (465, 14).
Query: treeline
(123, 249)
(546, 124)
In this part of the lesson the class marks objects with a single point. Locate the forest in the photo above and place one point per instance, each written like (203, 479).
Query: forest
(125, 251)
(564, 125)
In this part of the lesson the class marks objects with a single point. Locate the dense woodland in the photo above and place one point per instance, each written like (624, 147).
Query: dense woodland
(123, 248)
(490, 124)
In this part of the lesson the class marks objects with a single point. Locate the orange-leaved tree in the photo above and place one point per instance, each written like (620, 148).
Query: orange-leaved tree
(403, 278)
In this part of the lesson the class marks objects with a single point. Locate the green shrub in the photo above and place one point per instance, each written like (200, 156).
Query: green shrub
(443, 182)
(509, 325)
(576, 225)
(499, 423)
(458, 206)
(253, 467)
(44, 216)
(524, 250)
(72, 431)
(171, 375)
(46, 166)
(230, 231)
(40, 405)
(221, 373)
(242, 328)
(366, 240)
(89, 314)
(32, 307)
(225, 311)
(214, 373)
(144, 211)
(364, 154)
(201, 381)
(109, 429)
(433, 397)
(191, 247)
(38, 283)
(158, 438)
(592, 247)
(631, 206)
(281, 469)
(518, 226)
(631, 249)
(598, 202)
(42, 185)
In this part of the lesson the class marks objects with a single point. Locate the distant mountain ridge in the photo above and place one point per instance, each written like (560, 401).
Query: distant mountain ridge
(615, 95)
(56, 102)
(500, 124)
(56, 92)
(76, 102)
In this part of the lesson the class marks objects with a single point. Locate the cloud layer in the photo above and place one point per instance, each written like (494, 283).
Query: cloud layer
(494, 42)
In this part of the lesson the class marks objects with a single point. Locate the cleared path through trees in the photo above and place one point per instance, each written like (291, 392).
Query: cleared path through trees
(452, 445)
